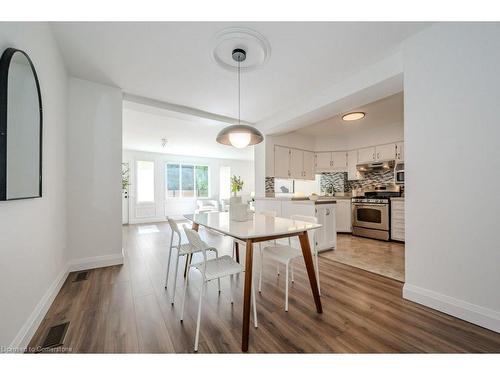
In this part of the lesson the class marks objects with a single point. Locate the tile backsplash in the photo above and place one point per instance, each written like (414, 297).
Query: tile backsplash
(340, 183)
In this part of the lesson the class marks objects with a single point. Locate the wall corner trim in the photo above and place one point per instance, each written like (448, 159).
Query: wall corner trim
(96, 262)
(29, 328)
(467, 311)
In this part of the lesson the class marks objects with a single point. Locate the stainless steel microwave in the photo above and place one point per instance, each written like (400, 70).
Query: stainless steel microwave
(400, 177)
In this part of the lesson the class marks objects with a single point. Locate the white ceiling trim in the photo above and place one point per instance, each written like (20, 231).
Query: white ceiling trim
(189, 111)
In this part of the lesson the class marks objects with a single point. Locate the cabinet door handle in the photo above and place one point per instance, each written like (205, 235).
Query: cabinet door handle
(373, 156)
(327, 211)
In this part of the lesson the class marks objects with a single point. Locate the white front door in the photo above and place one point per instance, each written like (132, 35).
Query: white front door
(125, 192)
(125, 206)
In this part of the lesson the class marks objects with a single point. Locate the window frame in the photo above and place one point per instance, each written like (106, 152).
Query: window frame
(194, 165)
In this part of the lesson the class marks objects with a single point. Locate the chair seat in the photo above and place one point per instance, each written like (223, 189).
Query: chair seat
(219, 267)
(282, 253)
(186, 249)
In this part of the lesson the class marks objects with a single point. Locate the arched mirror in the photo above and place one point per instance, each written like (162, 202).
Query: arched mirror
(20, 127)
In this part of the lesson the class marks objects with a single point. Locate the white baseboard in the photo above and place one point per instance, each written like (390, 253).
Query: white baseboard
(147, 220)
(96, 262)
(29, 328)
(479, 315)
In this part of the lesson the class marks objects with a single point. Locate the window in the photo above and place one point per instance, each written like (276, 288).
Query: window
(201, 181)
(145, 181)
(173, 183)
(187, 181)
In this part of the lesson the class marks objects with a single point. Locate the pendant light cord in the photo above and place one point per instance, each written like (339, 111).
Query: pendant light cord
(239, 94)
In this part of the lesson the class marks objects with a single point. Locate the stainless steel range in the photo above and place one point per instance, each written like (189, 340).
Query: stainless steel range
(371, 212)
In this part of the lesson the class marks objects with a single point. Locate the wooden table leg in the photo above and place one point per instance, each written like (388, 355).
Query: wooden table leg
(189, 257)
(237, 251)
(246, 295)
(306, 252)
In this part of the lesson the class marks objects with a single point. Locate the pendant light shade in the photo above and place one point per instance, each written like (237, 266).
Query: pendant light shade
(239, 136)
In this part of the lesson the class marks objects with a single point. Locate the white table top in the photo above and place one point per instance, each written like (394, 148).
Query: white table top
(259, 226)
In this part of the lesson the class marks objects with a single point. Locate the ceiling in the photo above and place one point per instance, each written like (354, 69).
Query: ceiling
(171, 62)
(144, 127)
(379, 114)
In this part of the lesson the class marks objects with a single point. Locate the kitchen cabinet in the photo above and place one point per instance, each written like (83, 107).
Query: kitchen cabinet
(331, 161)
(326, 236)
(282, 162)
(385, 152)
(293, 163)
(398, 219)
(343, 215)
(296, 163)
(352, 161)
(323, 161)
(378, 153)
(339, 162)
(400, 152)
(366, 155)
(308, 165)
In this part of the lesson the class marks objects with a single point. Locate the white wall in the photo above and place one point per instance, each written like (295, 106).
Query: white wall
(452, 132)
(179, 206)
(94, 172)
(33, 231)
(366, 137)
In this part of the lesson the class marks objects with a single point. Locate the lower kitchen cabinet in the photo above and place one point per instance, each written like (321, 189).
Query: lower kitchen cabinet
(343, 215)
(397, 219)
(326, 236)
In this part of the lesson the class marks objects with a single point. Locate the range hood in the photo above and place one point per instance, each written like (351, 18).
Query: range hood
(376, 166)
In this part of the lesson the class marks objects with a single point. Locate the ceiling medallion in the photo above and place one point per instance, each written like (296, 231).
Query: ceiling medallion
(255, 44)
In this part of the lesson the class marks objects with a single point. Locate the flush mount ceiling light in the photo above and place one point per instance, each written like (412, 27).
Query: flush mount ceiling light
(239, 135)
(353, 116)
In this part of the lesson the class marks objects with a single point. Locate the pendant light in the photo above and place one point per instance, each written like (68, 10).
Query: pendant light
(239, 136)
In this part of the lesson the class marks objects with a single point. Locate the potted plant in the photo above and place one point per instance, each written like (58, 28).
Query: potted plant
(125, 177)
(236, 184)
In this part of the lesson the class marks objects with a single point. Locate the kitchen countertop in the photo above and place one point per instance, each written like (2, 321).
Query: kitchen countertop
(397, 198)
(302, 200)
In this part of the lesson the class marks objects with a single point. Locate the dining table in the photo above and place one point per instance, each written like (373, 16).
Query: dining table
(259, 228)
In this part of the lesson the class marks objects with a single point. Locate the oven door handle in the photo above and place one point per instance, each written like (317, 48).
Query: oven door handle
(381, 205)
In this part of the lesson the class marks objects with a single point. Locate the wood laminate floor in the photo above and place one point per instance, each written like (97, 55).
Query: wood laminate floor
(125, 309)
(380, 257)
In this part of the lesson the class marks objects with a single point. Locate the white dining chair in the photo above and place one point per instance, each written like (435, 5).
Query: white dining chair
(211, 269)
(285, 254)
(183, 249)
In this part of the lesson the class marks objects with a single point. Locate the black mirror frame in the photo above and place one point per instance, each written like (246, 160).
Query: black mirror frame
(4, 79)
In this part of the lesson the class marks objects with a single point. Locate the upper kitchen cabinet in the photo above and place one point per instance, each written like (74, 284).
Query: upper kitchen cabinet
(385, 152)
(296, 163)
(282, 162)
(309, 173)
(352, 161)
(400, 151)
(323, 161)
(339, 160)
(331, 161)
(366, 155)
(378, 153)
(293, 163)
